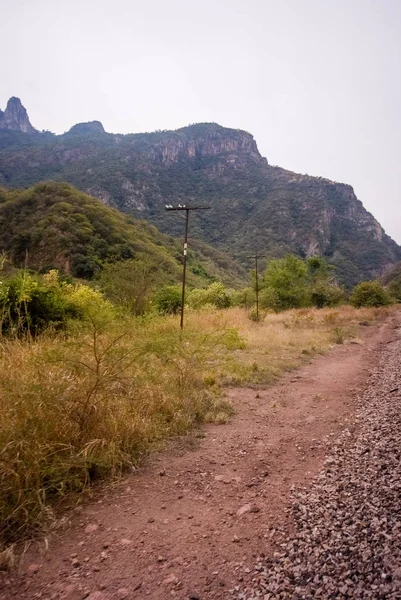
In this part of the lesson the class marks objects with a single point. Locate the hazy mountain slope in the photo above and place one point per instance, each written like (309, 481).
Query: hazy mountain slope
(55, 225)
(254, 205)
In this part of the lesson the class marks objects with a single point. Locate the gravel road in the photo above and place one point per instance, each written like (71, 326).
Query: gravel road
(347, 535)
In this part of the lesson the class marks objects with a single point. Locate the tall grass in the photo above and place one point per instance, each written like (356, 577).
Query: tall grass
(89, 403)
(282, 341)
(80, 408)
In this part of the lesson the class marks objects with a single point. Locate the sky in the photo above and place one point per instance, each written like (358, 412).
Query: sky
(317, 82)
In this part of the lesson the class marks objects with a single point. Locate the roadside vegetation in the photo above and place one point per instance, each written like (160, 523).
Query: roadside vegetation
(94, 376)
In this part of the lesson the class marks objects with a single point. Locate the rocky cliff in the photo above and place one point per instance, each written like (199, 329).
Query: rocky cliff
(90, 127)
(15, 117)
(254, 205)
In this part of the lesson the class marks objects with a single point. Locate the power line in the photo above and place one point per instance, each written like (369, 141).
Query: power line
(187, 209)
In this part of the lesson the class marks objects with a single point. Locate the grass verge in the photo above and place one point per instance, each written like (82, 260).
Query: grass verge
(85, 406)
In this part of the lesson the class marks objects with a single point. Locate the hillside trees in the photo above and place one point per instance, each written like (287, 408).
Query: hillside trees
(291, 282)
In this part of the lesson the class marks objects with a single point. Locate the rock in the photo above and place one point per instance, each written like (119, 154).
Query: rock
(244, 509)
(125, 543)
(122, 593)
(88, 128)
(171, 579)
(91, 528)
(15, 117)
(33, 568)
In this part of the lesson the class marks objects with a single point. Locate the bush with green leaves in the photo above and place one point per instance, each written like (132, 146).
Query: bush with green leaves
(369, 293)
(168, 300)
(291, 282)
(28, 305)
(215, 296)
(131, 283)
(325, 294)
(286, 283)
(246, 297)
(31, 304)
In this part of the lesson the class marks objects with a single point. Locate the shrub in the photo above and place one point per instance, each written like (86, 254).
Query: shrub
(394, 289)
(325, 294)
(77, 409)
(31, 304)
(369, 293)
(214, 295)
(130, 283)
(286, 280)
(245, 297)
(168, 300)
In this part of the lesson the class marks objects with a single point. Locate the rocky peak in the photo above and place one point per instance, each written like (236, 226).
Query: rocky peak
(87, 128)
(15, 117)
(233, 146)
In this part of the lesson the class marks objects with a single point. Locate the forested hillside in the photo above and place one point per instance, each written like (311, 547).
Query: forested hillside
(54, 225)
(254, 205)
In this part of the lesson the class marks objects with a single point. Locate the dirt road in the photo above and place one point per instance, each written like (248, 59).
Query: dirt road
(192, 521)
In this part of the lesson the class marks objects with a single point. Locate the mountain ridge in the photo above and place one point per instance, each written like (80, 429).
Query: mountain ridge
(255, 205)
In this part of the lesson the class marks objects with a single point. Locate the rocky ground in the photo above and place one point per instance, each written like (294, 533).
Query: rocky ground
(210, 518)
(348, 525)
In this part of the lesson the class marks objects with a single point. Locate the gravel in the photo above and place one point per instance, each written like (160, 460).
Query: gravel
(347, 538)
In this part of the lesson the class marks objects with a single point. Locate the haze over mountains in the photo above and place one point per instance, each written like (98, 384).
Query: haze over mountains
(255, 206)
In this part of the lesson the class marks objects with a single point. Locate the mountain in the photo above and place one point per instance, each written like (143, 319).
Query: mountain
(53, 225)
(15, 117)
(254, 205)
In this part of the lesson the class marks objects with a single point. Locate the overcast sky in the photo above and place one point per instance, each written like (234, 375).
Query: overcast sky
(317, 82)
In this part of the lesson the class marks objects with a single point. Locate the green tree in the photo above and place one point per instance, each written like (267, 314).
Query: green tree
(369, 293)
(168, 299)
(130, 283)
(214, 295)
(285, 282)
(324, 290)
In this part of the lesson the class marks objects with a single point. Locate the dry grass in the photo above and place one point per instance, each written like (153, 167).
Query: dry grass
(90, 405)
(283, 341)
(78, 409)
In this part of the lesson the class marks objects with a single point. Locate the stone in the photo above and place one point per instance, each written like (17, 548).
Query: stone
(33, 568)
(171, 579)
(91, 528)
(244, 509)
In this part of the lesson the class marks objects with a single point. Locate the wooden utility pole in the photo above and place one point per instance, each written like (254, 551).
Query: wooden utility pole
(187, 209)
(256, 257)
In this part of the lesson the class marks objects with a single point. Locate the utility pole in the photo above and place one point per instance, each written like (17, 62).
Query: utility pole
(187, 209)
(256, 257)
